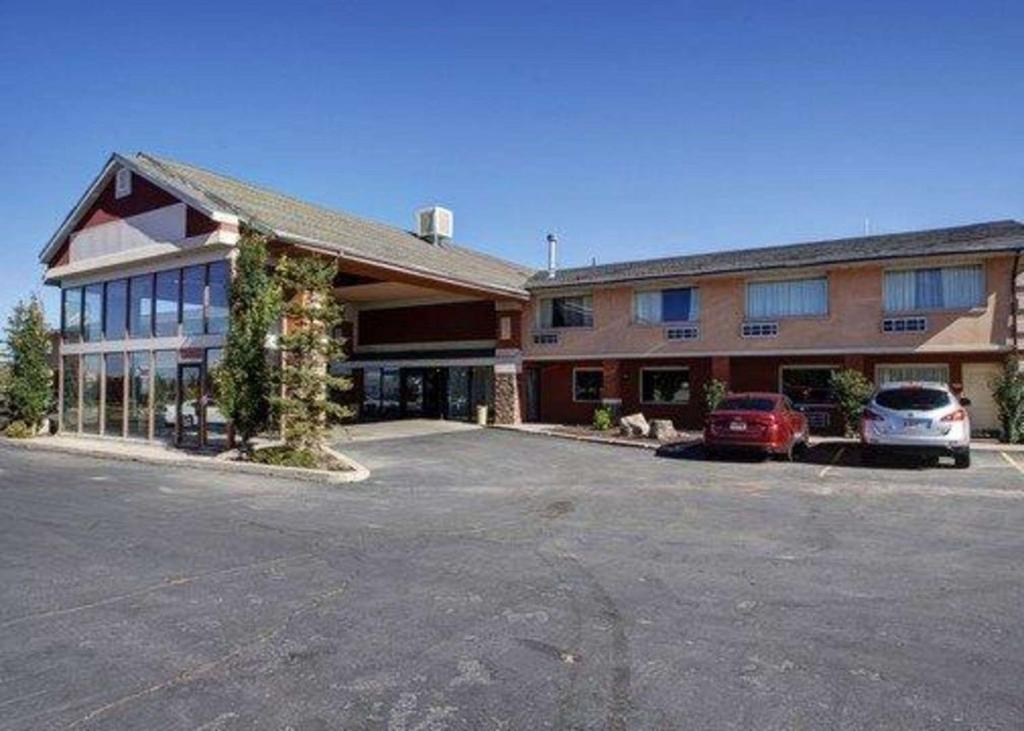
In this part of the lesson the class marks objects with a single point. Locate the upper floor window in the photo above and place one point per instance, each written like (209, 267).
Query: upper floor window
(92, 313)
(791, 298)
(940, 288)
(667, 305)
(140, 306)
(71, 314)
(168, 294)
(115, 310)
(219, 298)
(576, 311)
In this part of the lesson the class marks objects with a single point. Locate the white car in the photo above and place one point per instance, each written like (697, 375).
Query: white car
(920, 418)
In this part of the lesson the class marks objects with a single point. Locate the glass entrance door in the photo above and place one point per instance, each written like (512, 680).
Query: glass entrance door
(190, 405)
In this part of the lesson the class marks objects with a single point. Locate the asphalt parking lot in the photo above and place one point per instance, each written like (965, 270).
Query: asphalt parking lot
(492, 580)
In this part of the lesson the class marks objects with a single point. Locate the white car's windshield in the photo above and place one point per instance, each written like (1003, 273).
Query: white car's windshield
(912, 399)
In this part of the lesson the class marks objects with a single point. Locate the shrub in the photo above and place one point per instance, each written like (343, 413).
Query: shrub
(286, 457)
(19, 430)
(852, 390)
(714, 392)
(603, 418)
(30, 391)
(1008, 391)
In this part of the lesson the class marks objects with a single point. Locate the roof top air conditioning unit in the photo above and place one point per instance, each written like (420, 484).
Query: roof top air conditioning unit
(434, 223)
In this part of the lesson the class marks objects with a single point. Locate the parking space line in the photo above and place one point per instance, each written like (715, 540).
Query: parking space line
(835, 458)
(1012, 462)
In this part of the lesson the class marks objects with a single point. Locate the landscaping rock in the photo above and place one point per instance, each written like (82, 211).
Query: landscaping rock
(634, 425)
(663, 430)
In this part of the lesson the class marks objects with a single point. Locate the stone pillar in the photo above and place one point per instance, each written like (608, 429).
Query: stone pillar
(1018, 294)
(721, 368)
(508, 370)
(611, 386)
(506, 394)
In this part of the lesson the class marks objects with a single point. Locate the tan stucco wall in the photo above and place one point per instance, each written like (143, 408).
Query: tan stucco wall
(853, 322)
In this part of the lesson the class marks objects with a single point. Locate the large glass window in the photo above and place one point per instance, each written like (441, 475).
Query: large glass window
(192, 296)
(69, 415)
(217, 308)
(91, 370)
(114, 395)
(216, 422)
(665, 385)
(71, 314)
(587, 384)
(115, 318)
(92, 313)
(567, 311)
(667, 305)
(371, 393)
(808, 385)
(946, 288)
(165, 393)
(140, 313)
(138, 394)
(794, 298)
(168, 288)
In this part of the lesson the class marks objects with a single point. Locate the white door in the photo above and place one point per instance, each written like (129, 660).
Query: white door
(977, 376)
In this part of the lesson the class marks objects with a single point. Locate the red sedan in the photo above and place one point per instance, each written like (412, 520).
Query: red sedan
(759, 422)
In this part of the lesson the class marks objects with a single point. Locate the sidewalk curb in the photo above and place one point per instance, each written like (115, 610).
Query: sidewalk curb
(358, 472)
(975, 446)
(608, 442)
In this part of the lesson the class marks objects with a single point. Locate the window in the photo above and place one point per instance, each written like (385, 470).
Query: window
(217, 310)
(746, 403)
(587, 384)
(91, 367)
(216, 421)
(193, 288)
(807, 386)
(167, 291)
(933, 372)
(123, 183)
(165, 392)
(114, 396)
(69, 415)
(904, 325)
(140, 306)
(759, 329)
(793, 298)
(567, 311)
(946, 288)
(665, 385)
(92, 313)
(690, 332)
(71, 314)
(667, 305)
(545, 338)
(115, 316)
(505, 328)
(912, 399)
(138, 394)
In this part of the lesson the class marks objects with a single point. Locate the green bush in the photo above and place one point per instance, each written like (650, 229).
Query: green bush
(714, 392)
(603, 418)
(284, 456)
(852, 390)
(1008, 391)
(19, 430)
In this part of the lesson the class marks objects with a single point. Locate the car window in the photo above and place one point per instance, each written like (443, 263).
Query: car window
(912, 399)
(747, 404)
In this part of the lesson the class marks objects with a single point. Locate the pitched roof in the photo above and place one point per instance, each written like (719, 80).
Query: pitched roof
(976, 238)
(294, 220)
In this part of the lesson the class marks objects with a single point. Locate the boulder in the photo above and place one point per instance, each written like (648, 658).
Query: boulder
(634, 425)
(663, 430)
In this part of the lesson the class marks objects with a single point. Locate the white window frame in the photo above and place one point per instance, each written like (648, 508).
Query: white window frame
(541, 325)
(600, 398)
(880, 366)
(694, 299)
(895, 314)
(788, 280)
(640, 385)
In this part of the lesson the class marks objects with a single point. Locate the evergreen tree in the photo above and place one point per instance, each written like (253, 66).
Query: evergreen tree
(244, 379)
(309, 346)
(30, 389)
(1008, 392)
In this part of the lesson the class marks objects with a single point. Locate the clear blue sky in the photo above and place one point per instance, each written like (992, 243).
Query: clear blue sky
(632, 130)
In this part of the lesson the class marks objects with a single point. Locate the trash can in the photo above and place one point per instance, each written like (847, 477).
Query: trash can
(481, 415)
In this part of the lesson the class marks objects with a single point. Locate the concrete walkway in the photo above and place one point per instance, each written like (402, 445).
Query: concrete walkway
(403, 429)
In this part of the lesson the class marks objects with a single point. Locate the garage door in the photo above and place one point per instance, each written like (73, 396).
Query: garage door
(977, 376)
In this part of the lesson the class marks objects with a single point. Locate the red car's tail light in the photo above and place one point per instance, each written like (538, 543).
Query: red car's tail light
(958, 415)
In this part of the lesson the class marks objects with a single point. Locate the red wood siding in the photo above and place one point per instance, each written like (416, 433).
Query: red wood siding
(428, 323)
